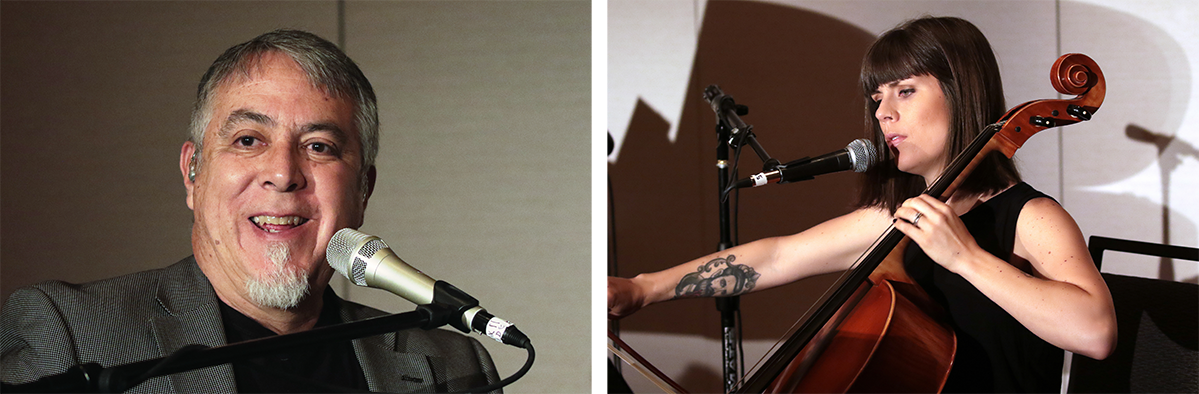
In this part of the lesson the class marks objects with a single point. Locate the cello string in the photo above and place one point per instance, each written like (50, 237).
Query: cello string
(958, 163)
(823, 296)
(1092, 101)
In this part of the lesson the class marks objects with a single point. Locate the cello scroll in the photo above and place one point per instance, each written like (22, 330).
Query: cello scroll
(1074, 74)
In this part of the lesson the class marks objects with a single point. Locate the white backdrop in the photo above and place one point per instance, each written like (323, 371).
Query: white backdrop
(1132, 172)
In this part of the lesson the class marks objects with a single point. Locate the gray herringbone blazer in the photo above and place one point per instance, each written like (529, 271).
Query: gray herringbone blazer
(52, 326)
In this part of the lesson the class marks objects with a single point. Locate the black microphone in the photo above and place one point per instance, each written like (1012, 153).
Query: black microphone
(367, 261)
(858, 156)
(726, 109)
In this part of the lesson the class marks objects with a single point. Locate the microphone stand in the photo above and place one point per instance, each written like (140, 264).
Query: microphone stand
(92, 377)
(729, 307)
(731, 132)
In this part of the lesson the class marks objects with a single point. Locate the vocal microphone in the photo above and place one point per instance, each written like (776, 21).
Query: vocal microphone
(367, 261)
(858, 156)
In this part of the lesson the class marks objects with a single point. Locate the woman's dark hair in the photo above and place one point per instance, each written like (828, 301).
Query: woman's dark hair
(957, 54)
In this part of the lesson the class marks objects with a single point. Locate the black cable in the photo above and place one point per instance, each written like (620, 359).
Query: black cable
(741, 344)
(510, 379)
(737, 193)
(735, 231)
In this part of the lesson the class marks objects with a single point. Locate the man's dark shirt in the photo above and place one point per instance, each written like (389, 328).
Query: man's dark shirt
(326, 367)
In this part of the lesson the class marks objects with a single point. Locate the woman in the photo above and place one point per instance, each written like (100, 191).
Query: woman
(1007, 262)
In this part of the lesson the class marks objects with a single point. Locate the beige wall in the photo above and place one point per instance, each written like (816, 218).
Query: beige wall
(483, 169)
(1132, 172)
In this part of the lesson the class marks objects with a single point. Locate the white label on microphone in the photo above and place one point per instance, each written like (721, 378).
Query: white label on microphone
(759, 179)
(496, 327)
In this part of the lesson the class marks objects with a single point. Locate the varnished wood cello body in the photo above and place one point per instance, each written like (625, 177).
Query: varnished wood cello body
(878, 331)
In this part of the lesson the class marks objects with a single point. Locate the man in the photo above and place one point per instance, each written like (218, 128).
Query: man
(283, 139)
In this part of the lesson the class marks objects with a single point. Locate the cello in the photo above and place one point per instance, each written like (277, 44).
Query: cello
(859, 338)
(878, 331)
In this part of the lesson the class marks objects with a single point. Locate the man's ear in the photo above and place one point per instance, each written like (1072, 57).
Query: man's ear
(370, 186)
(187, 165)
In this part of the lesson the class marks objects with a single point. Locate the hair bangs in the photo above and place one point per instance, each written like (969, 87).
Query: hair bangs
(956, 53)
(893, 57)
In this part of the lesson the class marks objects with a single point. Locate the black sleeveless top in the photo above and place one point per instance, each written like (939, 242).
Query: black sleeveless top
(995, 352)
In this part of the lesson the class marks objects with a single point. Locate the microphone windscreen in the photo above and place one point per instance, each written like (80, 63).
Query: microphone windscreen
(862, 154)
(346, 252)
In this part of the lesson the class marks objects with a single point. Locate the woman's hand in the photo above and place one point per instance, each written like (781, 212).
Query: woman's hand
(624, 297)
(1060, 297)
(939, 231)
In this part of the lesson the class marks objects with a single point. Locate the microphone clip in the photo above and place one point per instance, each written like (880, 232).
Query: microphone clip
(449, 306)
(728, 115)
(782, 167)
(458, 309)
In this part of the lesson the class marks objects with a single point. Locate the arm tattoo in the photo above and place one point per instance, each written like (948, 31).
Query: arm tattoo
(717, 278)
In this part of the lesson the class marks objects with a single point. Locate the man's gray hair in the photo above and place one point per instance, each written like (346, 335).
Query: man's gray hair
(327, 68)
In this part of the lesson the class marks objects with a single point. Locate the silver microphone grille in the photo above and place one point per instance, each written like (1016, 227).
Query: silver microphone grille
(862, 154)
(340, 251)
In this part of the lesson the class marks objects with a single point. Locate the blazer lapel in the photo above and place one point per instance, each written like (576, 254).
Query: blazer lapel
(191, 317)
(387, 367)
(395, 372)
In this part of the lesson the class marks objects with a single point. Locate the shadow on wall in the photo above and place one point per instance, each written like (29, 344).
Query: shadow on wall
(797, 71)
(1147, 102)
(1170, 153)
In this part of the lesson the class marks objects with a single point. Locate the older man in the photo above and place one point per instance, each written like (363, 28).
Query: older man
(283, 140)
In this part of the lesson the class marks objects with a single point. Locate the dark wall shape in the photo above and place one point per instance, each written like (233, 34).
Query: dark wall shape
(797, 71)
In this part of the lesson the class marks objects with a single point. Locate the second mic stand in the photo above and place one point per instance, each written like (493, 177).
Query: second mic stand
(731, 132)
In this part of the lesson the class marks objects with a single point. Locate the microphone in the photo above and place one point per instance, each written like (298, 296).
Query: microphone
(367, 261)
(858, 156)
(726, 109)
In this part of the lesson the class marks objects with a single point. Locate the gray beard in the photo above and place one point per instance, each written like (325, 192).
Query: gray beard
(281, 287)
